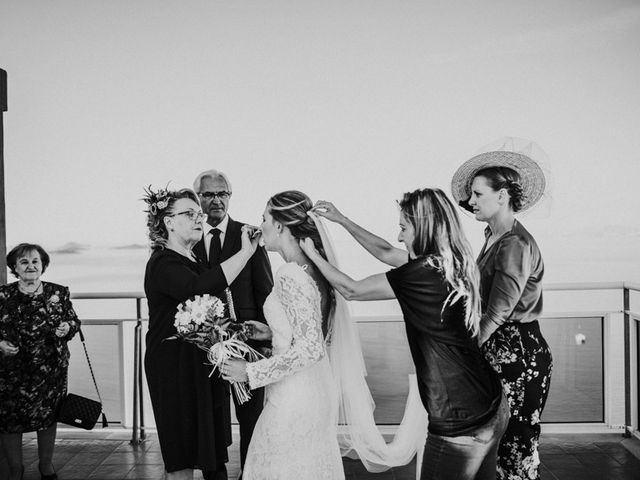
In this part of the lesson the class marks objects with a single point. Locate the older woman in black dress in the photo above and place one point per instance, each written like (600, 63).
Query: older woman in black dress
(191, 410)
(36, 322)
(495, 186)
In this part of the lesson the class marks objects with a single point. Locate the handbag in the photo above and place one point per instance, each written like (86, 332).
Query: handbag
(79, 411)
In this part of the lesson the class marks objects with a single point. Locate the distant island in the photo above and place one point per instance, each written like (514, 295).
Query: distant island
(71, 247)
(75, 247)
(131, 246)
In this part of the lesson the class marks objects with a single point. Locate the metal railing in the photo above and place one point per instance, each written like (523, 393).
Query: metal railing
(627, 288)
(138, 434)
(138, 421)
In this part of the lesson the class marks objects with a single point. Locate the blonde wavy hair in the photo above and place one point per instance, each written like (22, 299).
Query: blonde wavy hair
(440, 240)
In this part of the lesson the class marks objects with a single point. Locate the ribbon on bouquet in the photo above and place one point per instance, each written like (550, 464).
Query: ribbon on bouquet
(233, 346)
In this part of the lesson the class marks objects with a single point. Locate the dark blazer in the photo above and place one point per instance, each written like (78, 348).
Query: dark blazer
(254, 283)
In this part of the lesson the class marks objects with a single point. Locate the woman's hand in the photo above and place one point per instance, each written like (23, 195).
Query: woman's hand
(8, 349)
(250, 238)
(329, 211)
(63, 329)
(309, 248)
(258, 330)
(235, 370)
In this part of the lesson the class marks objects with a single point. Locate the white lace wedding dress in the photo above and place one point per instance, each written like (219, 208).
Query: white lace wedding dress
(295, 437)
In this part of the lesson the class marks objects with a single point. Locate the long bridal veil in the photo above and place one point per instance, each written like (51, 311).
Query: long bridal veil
(358, 434)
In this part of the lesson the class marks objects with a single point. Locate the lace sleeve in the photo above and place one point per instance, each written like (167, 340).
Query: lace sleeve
(301, 302)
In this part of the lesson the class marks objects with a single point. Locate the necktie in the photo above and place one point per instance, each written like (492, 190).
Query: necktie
(215, 247)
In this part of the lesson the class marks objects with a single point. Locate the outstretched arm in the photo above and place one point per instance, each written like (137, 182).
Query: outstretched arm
(179, 282)
(375, 287)
(376, 246)
(234, 265)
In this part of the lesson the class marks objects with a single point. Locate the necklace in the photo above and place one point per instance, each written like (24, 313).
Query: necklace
(27, 291)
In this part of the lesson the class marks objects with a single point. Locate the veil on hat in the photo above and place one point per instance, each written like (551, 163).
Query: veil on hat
(521, 154)
(534, 151)
(358, 435)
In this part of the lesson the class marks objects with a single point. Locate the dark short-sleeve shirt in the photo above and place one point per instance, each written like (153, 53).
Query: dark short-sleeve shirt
(511, 272)
(458, 387)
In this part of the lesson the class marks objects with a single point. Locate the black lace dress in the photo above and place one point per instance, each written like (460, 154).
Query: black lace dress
(34, 381)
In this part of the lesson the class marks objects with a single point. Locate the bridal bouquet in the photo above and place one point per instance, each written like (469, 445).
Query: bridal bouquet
(200, 320)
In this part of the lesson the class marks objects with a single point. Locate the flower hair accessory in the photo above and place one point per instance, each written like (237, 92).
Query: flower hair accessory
(157, 200)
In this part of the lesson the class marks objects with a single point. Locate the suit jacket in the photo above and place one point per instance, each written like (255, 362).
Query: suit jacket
(254, 283)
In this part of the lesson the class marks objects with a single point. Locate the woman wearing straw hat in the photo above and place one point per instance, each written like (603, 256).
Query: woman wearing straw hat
(494, 186)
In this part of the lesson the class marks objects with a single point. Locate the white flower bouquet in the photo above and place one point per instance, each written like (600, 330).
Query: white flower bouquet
(202, 320)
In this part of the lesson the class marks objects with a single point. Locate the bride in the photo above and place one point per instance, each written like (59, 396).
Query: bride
(296, 434)
(316, 377)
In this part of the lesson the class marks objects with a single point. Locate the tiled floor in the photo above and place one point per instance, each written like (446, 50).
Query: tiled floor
(107, 454)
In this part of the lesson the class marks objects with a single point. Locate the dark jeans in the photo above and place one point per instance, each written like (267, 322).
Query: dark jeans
(466, 457)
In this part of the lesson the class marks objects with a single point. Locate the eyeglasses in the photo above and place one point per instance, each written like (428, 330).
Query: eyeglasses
(211, 195)
(192, 215)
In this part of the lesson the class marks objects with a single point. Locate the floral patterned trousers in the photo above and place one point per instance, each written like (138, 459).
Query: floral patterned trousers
(521, 356)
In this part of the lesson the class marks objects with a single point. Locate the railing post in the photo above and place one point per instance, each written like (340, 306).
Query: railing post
(143, 435)
(3, 229)
(627, 363)
(137, 430)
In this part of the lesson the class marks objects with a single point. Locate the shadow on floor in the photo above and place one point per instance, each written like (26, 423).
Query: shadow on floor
(107, 454)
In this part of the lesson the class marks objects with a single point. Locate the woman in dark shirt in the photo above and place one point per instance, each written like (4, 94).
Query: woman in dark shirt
(494, 186)
(191, 410)
(436, 285)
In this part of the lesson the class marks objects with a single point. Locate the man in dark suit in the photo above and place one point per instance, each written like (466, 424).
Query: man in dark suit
(221, 239)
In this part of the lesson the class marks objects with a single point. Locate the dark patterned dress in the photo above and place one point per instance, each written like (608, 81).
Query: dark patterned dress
(511, 288)
(34, 381)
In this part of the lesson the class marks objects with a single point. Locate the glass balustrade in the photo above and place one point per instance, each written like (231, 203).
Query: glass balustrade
(579, 343)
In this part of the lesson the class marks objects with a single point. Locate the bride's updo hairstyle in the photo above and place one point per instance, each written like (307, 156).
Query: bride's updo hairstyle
(290, 209)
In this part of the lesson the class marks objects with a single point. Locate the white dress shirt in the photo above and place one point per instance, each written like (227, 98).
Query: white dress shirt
(222, 226)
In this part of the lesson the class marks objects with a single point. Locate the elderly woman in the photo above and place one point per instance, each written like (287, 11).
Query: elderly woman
(36, 322)
(435, 281)
(495, 186)
(191, 410)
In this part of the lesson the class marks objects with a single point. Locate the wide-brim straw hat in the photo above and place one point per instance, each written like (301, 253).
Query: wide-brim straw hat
(531, 174)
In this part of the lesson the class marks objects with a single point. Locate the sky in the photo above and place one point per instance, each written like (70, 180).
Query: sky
(354, 102)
